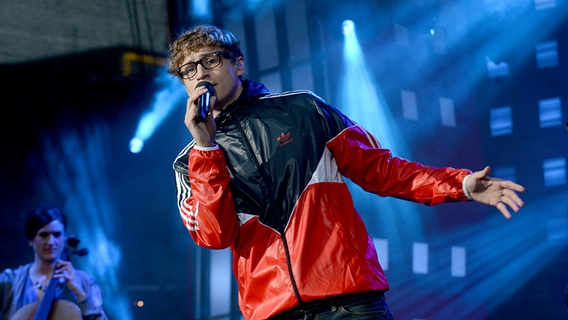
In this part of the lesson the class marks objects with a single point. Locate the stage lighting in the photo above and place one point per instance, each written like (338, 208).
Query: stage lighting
(136, 145)
(550, 112)
(165, 99)
(348, 27)
(547, 54)
(201, 10)
(501, 121)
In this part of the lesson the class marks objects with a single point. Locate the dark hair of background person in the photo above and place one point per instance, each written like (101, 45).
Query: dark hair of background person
(42, 215)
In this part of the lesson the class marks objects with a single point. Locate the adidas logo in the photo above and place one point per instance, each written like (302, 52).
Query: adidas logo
(284, 139)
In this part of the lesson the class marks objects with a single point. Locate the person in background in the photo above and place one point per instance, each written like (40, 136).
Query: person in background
(22, 289)
(263, 175)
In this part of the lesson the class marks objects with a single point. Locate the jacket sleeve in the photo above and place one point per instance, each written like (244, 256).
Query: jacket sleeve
(6, 285)
(92, 306)
(360, 158)
(205, 201)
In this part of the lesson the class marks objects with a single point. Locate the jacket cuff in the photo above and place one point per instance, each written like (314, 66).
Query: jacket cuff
(464, 187)
(215, 147)
(86, 305)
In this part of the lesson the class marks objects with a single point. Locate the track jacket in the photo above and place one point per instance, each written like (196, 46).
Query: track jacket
(273, 192)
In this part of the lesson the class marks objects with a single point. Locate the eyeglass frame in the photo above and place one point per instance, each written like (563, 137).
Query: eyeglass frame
(220, 54)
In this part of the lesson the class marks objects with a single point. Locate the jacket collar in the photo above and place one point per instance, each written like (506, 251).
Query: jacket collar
(251, 91)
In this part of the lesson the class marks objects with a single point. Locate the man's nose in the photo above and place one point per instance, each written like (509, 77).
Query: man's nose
(201, 72)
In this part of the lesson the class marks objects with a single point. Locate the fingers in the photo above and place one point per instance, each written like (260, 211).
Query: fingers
(64, 269)
(485, 172)
(203, 132)
(191, 106)
(510, 199)
(507, 203)
(479, 177)
(513, 186)
(503, 208)
(192, 110)
(64, 263)
(190, 113)
(482, 174)
(192, 100)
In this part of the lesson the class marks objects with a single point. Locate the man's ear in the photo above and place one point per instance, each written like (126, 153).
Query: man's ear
(240, 64)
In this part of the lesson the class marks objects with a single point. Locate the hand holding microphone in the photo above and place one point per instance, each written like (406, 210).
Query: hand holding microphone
(197, 112)
(203, 106)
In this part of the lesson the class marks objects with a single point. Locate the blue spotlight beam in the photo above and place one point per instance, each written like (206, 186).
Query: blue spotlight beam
(360, 96)
(361, 99)
(164, 102)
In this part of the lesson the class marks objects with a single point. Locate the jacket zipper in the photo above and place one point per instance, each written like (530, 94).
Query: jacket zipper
(268, 185)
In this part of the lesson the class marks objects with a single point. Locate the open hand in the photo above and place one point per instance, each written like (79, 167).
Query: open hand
(495, 192)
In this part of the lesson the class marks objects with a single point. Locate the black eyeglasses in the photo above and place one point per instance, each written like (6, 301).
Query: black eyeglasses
(208, 61)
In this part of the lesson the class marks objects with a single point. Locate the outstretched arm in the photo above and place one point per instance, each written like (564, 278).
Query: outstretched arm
(494, 192)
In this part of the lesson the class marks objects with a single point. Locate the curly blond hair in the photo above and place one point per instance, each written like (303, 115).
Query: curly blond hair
(201, 36)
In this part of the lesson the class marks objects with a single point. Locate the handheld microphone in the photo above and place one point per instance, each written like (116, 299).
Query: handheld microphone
(203, 101)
